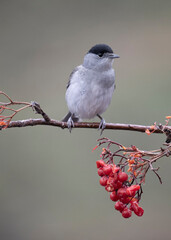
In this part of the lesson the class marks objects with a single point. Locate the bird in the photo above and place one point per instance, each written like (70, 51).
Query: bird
(90, 87)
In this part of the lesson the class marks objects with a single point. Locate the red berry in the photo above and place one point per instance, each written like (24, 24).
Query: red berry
(134, 206)
(116, 169)
(111, 181)
(132, 190)
(103, 181)
(119, 184)
(126, 213)
(115, 177)
(140, 212)
(109, 188)
(137, 209)
(115, 186)
(122, 176)
(100, 163)
(113, 196)
(114, 183)
(119, 206)
(122, 193)
(100, 172)
(125, 200)
(107, 169)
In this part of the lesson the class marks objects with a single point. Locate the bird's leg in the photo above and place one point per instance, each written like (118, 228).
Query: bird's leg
(102, 124)
(71, 121)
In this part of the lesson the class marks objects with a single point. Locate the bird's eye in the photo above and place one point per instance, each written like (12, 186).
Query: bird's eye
(100, 54)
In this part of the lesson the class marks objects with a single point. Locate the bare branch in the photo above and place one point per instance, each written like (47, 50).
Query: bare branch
(6, 120)
(94, 125)
(36, 107)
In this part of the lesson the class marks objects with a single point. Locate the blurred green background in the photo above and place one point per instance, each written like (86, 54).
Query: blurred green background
(49, 188)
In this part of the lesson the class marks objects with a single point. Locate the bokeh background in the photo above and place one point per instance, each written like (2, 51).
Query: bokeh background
(49, 188)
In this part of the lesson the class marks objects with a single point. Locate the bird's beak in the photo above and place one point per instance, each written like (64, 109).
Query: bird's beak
(112, 55)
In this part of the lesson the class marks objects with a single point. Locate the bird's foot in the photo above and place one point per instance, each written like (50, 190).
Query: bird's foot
(70, 124)
(102, 125)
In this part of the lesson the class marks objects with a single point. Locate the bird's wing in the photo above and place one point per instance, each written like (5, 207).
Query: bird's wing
(71, 75)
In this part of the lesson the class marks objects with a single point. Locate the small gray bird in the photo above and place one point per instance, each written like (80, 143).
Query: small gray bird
(91, 85)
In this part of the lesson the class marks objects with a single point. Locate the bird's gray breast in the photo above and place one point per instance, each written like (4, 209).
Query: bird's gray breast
(89, 92)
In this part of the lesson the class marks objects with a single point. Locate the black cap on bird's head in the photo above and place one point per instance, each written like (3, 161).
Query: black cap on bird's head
(101, 49)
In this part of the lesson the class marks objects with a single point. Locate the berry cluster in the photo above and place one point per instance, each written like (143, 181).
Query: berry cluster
(121, 190)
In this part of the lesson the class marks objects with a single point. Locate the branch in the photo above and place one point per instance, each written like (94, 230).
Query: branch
(94, 125)
(9, 112)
